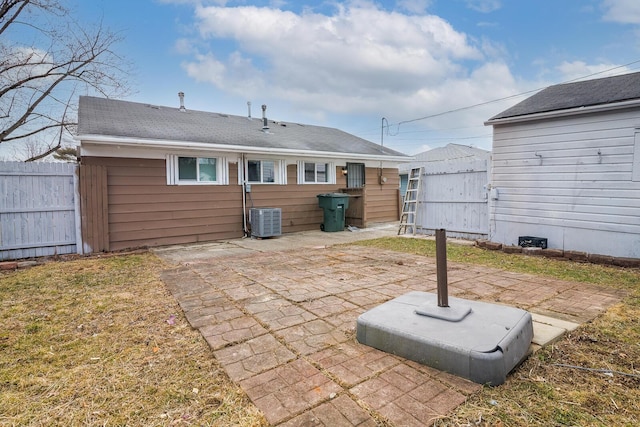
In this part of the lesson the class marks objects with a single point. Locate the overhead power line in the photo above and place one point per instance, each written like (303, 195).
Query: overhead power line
(468, 107)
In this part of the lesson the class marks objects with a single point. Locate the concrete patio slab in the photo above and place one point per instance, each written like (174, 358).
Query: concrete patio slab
(552, 321)
(545, 334)
(280, 317)
(547, 330)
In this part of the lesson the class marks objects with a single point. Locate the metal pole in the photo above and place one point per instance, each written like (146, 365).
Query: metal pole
(384, 120)
(441, 264)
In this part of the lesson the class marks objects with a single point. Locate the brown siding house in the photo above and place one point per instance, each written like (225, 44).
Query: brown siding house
(152, 175)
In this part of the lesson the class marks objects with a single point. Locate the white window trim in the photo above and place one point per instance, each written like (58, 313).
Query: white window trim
(331, 172)
(280, 172)
(222, 170)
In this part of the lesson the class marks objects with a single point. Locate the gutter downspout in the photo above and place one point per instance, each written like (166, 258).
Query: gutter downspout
(244, 199)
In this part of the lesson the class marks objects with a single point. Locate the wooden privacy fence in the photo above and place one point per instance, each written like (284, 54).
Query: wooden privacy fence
(39, 210)
(453, 196)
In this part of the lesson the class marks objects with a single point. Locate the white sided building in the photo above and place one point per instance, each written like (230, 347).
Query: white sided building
(566, 167)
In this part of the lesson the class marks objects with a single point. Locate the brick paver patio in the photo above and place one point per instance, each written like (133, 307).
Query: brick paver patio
(282, 325)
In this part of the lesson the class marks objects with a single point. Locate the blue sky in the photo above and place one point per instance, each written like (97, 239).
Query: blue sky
(349, 64)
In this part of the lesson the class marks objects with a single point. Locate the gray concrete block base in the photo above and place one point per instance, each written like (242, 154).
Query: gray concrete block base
(484, 346)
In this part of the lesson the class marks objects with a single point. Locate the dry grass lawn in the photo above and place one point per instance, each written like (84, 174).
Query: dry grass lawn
(100, 341)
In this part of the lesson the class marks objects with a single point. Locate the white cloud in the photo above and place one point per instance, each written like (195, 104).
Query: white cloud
(353, 66)
(414, 6)
(357, 58)
(206, 68)
(196, 2)
(484, 6)
(579, 69)
(421, 149)
(493, 49)
(487, 24)
(184, 46)
(276, 4)
(622, 11)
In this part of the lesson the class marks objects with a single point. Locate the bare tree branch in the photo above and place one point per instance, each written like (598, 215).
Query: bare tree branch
(60, 57)
(56, 147)
(9, 11)
(41, 129)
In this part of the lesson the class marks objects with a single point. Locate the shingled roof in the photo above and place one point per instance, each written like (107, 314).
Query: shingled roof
(586, 93)
(449, 153)
(145, 123)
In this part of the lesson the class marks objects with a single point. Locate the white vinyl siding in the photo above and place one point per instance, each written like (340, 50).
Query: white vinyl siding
(571, 180)
(636, 156)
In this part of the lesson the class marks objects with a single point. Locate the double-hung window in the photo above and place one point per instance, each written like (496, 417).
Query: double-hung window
(261, 171)
(191, 170)
(264, 171)
(316, 173)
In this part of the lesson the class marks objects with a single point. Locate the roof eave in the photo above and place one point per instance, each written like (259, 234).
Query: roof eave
(200, 146)
(563, 113)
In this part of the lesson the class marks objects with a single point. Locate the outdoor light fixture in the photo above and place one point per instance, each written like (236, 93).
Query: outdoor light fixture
(344, 171)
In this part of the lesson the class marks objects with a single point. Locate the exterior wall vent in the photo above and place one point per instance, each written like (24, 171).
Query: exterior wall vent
(265, 222)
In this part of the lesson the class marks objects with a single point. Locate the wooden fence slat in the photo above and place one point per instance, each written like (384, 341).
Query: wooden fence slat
(37, 209)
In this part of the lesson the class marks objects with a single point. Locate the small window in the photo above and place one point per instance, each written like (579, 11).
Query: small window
(261, 171)
(183, 170)
(316, 173)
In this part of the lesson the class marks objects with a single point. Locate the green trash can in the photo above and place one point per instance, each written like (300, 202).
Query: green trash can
(334, 205)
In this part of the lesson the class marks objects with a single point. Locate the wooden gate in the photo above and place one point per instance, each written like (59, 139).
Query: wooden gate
(454, 196)
(38, 210)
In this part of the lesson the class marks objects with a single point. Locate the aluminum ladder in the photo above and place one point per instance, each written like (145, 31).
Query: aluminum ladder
(410, 202)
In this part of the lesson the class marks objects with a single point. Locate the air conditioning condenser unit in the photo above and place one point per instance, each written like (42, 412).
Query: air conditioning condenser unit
(265, 222)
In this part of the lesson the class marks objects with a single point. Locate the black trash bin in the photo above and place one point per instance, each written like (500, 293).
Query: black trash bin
(334, 205)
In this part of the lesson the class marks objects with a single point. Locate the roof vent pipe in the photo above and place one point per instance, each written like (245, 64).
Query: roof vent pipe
(181, 96)
(249, 109)
(265, 125)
